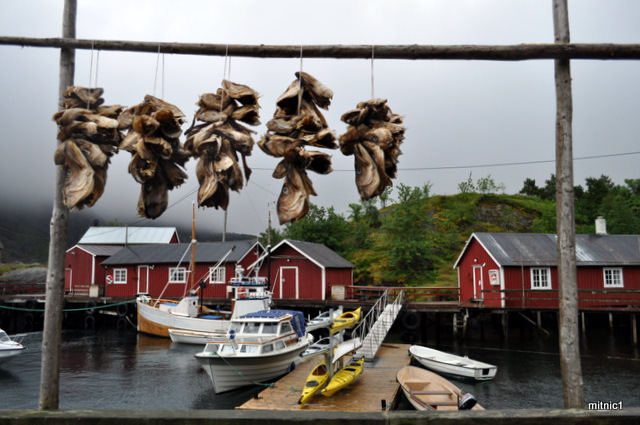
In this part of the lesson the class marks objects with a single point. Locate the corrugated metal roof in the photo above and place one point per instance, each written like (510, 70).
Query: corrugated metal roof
(206, 252)
(130, 235)
(515, 249)
(100, 250)
(319, 253)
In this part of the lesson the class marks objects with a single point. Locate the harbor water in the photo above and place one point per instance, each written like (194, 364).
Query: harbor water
(121, 369)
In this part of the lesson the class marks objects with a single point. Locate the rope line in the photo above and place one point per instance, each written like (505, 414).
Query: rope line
(40, 310)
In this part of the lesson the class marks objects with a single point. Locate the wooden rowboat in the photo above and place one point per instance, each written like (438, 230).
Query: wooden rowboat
(346, 320)
(460, 367)
(344, 377)
(429, 391)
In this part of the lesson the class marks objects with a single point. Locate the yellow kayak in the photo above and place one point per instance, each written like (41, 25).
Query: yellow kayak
(344, 377)
(346, 320)
(316, 380)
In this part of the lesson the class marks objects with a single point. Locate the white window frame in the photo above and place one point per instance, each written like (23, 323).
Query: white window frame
(615, 278)
(177, 275)
(217, 276)
(119, 276)
(494, 277)
(540, 278)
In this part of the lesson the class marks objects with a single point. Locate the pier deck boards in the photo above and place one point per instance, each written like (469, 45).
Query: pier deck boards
(377, 382)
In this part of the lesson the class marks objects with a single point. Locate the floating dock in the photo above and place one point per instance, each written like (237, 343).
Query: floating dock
(375, 387)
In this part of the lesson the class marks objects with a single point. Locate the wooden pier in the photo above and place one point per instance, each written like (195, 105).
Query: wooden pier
(375, 387)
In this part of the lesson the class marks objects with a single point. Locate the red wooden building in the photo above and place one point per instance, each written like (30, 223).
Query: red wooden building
(518, 270)
(164, 270)
(306, 270)
(83, 261)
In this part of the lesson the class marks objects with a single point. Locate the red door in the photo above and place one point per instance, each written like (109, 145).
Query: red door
(477, 282)
(289, 282)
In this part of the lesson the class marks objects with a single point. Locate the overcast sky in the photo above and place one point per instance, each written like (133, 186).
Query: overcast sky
(461, 116)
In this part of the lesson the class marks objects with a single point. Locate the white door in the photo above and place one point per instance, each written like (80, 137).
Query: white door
(143, 279)
(477, 282)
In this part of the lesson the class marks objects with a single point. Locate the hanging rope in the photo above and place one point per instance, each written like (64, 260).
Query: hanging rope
(155, 78)
(300, 82)
(372, 56)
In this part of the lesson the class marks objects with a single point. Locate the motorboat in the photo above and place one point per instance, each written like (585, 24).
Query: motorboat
(426, 390)
(452, 365)
(8, 347)
(259, 347)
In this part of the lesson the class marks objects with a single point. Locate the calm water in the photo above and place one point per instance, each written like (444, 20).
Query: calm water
(121, 369)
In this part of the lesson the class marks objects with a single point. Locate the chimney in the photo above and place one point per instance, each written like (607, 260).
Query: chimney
(601, 226)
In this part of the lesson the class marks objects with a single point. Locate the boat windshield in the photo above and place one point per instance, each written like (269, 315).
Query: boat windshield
(249, 349)
(251, 328)
(285, 328)
(4, 337)
(211, 348)
(270, 328)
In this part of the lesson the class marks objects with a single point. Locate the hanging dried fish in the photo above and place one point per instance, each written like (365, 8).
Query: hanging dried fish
(296, 124)
(373, 137)
(219, 138)
(89, 136)
(158, 157)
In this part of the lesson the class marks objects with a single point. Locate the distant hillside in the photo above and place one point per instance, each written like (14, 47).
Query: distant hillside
(425, 237)
(24, 232)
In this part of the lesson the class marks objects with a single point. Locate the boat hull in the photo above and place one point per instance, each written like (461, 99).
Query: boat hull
(154, 321)
(426, 390)
(230, 372)
(454, 366)
(7, 353)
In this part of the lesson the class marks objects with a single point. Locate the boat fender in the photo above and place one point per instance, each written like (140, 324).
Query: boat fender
(121, 323)
(292, 366)
(467, 402)
(123, 309)
(411, 320)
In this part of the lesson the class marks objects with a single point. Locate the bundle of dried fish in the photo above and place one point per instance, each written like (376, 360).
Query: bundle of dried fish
(89, 135)
(298, 123)
(158, 157)
(219, 138)
(373, 137)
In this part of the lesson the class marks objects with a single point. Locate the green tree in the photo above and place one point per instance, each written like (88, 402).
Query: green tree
(530, 188)
(320, 225)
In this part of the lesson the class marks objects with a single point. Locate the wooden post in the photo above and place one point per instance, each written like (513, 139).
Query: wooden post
(455, 324)
(54, 304)
(634, 329)
(610, 320)
(570, 365)
(584, 323)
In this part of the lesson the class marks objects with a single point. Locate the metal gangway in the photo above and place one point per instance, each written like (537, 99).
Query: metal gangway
(373, 328)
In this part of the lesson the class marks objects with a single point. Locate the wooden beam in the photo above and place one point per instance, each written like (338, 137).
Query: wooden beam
(54, 304)
(516, 52)
(569, 337)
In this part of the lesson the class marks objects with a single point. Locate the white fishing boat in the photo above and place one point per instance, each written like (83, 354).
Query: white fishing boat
(323, 320)
(259, 347)
(426, 390)
(9, 347)
(158, 316)
(461, 367)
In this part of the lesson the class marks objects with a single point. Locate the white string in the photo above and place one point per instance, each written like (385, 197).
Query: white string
(90, 67)
(300, 83)
(155, 78)
(162, 81)
(372, 93)
(97, 68)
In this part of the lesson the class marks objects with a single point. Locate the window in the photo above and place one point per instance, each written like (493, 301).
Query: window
(177, 275)
(540, 278)
(285, 328)
(216, 275)
(251, 328)
(613, 278)
(494, 277)
(119, 275)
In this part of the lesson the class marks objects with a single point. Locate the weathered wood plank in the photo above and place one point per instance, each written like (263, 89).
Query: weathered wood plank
(516, 52)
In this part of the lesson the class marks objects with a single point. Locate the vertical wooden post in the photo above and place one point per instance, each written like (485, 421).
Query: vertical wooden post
(455, 324)
(634, 329)
(54, 304)
(568, 312)
(584, 323)
(610, 320)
